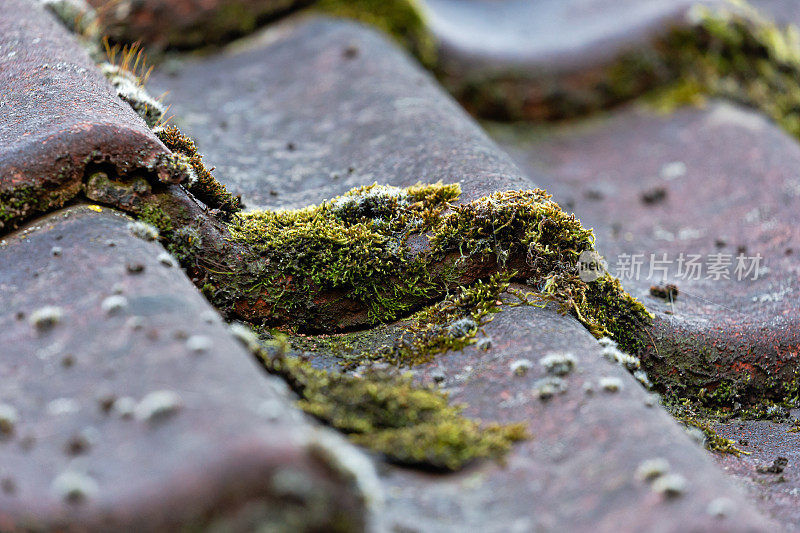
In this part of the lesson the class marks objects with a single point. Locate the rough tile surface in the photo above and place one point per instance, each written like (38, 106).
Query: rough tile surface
(774, 484)
(126, 405)
(59, 117)
(293, 117)
(185, 23)
(718, 183)
(579, 470)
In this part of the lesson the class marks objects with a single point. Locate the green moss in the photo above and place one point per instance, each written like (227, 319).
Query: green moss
(157, 218)
(390, 250)
(402, 19)
(21, 202)
(201, 184)
(687, 414)
(388, 413)
(740, 55)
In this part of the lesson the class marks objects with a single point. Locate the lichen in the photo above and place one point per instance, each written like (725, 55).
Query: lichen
(387, 412)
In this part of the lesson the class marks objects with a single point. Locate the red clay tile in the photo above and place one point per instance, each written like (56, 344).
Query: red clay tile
(730, 190)
(60, 119)
(186, 23)
(126, 405)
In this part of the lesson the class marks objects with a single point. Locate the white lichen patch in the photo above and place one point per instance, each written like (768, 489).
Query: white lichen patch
(613, 354)
(245, 335)
(199, 343)
(166, 259)
(63, 406)
(671, 485)
(46, 317)
(641, 377)
(520, 367)
(650, 469)
(124, 407)
(559, 364)
(158, 405)
(610, 384)
(546, 388)
(721, 507)
(8, 419)
(143, 230)
(129, 88)
(74, 487)
(114, 305)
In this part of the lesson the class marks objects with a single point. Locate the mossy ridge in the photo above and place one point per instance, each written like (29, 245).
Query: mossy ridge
(408, 423)
(392, 250)
(685, 413)
(720, 56)
(404, 20)
(448, 325)
(202, 183)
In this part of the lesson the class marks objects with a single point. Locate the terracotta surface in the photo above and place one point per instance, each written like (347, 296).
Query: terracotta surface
(60, 118)
(137, 410)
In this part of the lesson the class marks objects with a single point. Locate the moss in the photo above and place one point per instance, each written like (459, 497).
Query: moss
(388, 413)
(388, 251)
(157, 218)
(23, 201)
(687, 414)
(202, 184)
(738, 54)
(402, 19)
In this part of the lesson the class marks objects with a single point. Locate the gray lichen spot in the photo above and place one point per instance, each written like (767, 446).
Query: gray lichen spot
(721, 507)
(484, 343)
(613, 354)
(199, 343)
(641, 377)
(546, 388)
(462, 327)
(558, 364)
(46, 317)
(114, 305)
(167, 260)
(124, 407)
(245, 335)
(650, 469)
(8, 419)
(74, 487)
(143, 231)
(671, 485)
(63, 406)
(520, 367)
(610, 384)
(158, 405)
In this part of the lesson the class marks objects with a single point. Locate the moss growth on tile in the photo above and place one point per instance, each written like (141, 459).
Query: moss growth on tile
(402, 19)
(201, 183)
(387, 412)
(688, 414)
(738, 54)
(448, 325)
(389, 251)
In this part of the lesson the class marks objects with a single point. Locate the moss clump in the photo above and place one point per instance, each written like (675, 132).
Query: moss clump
(684, 412)
(402, 19)
(383, 251)
(388, 413)
(201, 183)
(738, 54)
